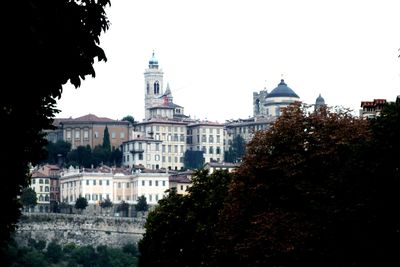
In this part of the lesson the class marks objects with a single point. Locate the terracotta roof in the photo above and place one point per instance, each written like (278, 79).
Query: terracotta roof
(38, 174)
(93, 118)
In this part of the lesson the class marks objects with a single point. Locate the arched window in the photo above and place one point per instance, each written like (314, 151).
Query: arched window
(258, 106)
(156, 88)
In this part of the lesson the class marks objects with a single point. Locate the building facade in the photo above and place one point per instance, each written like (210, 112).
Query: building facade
(115, 185)
(89, 130)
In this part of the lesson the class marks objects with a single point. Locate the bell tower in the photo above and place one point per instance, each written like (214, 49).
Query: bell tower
(153, 86)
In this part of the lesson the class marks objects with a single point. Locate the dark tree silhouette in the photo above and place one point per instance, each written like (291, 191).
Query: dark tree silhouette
(48, 44)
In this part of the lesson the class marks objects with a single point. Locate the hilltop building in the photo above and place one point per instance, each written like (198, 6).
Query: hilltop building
(166, 133)
(89, 130)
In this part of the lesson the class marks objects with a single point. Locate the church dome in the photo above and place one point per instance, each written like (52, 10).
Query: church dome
(153, 61)
(320, 100)
(282, 91)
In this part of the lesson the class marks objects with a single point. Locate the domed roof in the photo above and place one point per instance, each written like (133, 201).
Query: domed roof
(153, 61)
(320, 100)
(282, 90)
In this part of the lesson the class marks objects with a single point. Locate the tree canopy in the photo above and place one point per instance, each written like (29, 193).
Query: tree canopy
(311, 192)
(180, 231)
(28, 197)
(141, 204)
(48, 44)
(81, 203)
(236, 150)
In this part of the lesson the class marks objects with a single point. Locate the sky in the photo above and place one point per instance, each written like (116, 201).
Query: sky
(216, 53)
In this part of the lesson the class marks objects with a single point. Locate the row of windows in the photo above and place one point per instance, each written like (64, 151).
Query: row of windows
(94, 182)
(46, 189)
(41, 181)
(96, 135)
(119, 184)
(158, 128)
(157, 158)
(43, 198)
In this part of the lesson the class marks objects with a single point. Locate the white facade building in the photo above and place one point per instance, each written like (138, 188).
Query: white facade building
(207, 137)
(98, 186)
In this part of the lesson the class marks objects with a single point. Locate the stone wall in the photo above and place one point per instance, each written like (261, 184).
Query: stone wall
(79, 229)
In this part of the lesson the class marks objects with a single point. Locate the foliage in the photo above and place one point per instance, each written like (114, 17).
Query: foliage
(28, 197)
(311, 192)
(193, 159)
(54, 252)
(123, 207)
(81, 203)
(181, 229)
(81, 156)
(106, 203)
(56, 150)
(130, 249)
(116, 157)
(236, 150)
(141, 204)
(53, 42)
(129, 118)
(106, 140)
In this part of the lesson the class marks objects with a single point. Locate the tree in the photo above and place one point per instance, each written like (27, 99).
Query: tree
(123, 207)
(194, 159)
(116, 157)
(53, 42)
(106, 140)
(236, 150)
(56, 150)
(129, 118)
(105, 204)
(28, 197)
(54, 252)
(81, 203)
(82, 155)
(307, 194)
(180, 231)
(141, 204)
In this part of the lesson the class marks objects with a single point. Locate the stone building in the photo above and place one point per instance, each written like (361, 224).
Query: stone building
(89, 130)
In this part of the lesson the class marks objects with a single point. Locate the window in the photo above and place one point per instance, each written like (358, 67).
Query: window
(122, 135)
(148, 88)
(113, 135)
(96, 135)
(140, 156)
(119, 185)
(157, 157)
(40, 181)
(176, 148)
(68, 134)
(181, 187)
(77, 134)
(218, 150)
(157, 147)
(87, 182)
(156, 87)
(100, 182)
(94, 182)
(218, 139)
(46, 181)
(211, 150)
(142, 183)
(156, 183)
(107, 182)
(203, 138)
(127, 185)
(33, 181)
(211, 139)
(41, 188)
(150, 183)
(86, 135)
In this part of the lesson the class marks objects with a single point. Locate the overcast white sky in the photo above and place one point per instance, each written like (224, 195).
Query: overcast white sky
(216, 53)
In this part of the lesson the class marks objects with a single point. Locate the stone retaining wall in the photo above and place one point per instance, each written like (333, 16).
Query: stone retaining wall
(79, 229)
